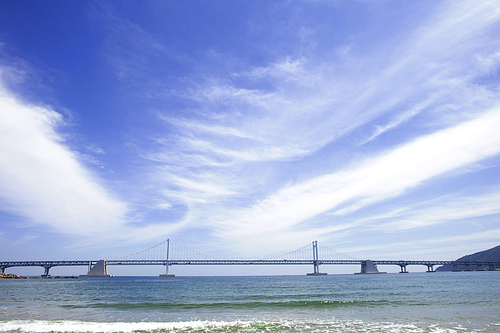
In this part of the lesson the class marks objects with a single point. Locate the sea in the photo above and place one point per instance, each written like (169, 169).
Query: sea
(414, 302)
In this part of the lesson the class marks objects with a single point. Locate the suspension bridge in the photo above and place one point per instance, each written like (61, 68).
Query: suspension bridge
(168, 253)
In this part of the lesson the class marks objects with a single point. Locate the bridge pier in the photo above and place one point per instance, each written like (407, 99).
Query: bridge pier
(368, 267)
(99, 269)
(493, 266)
(430, 269)
(403, 269)
(316, 270)
(2, 269)
(46, 271)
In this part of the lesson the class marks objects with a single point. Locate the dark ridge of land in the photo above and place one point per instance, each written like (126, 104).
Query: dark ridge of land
(492, 254)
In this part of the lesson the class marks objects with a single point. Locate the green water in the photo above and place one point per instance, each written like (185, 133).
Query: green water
(415, 302)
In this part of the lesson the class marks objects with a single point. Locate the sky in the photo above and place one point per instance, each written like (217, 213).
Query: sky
(248, 129)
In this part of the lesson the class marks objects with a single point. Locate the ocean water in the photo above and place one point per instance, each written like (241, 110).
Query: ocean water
(414, 302)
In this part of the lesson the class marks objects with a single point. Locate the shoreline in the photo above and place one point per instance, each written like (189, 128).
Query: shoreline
(10, 276)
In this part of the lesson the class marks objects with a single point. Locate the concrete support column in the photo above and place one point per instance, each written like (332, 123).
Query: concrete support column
(99, 269)
(430, 268)
(46, 271)
(368, 267)
(403, 269)
(2, 269)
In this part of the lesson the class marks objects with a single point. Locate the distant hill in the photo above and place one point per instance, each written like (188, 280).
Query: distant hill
(492, 254)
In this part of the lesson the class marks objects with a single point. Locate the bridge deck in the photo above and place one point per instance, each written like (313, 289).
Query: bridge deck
(51, 263)
(457, 265)
(271, 262)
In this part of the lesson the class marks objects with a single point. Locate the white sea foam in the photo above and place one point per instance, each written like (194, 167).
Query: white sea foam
(81, 326)
(41, 326)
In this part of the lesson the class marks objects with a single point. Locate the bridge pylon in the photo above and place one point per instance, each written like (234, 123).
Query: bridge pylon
(167, 263)
(316, 261)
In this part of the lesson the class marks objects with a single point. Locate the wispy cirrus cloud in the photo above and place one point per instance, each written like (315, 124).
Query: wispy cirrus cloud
(374, 180)
(440, 211)
(313, 101)
(310, 102)
(397, 121)
(431, 247)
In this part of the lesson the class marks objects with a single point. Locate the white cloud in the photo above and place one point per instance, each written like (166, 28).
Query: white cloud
(287, 70)
(43, 180)
(95, 149)
(373, 180)
(431, 248)
(309, 101)
(295, 106)
(398, 120)
(283, 111)
(207, 189)
(446, 209)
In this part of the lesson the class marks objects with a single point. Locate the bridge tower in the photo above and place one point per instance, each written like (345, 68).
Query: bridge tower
(316, 262)
(167, 263)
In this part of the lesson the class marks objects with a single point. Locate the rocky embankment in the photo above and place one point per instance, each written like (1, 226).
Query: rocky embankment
(9, 276)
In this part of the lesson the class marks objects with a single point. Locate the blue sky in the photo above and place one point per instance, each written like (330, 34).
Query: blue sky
(246, 129)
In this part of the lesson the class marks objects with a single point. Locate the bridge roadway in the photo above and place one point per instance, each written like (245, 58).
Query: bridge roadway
(47, 264)
(270, 262)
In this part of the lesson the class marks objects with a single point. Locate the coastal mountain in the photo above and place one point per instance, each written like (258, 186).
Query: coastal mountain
(492, 254)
